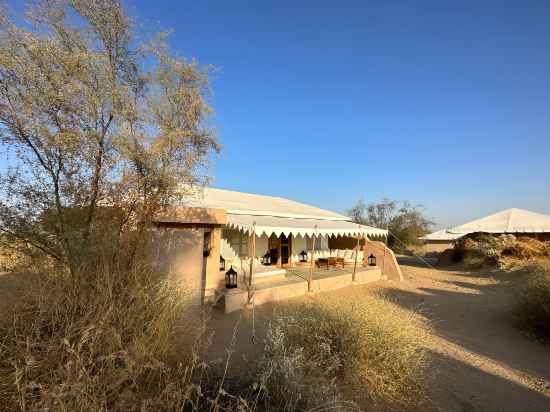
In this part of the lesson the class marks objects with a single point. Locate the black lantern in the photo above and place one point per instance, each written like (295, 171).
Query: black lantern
(222, 263)
(231, 278)
(303, 256)
(266, 259)
(372, 260)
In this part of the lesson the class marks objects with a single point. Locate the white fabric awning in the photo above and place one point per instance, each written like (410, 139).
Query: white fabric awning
(298, 226)
(441, 235)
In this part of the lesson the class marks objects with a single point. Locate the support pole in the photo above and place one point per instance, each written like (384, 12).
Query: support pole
(355, 263)
(312, 263)
(384, 261)
(253, 254)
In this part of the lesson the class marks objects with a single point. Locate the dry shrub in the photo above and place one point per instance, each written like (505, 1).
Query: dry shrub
(366, 349)
(533, 310)
(295, 377)
(525, 248)
(481, 250)
(473, 261)
(12, 258)
(97, 341)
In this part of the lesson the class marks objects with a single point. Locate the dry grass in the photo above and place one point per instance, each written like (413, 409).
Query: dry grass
(534, 302)
(367, 350)
(480, 250)
(100, 341)
(116, 339)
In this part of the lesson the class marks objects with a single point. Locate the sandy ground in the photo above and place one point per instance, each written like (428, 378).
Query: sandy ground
(481, 362)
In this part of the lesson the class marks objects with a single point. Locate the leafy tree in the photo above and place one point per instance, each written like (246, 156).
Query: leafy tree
(106, 126)
(406, 222)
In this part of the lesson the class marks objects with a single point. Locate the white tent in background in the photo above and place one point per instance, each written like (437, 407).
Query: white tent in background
(441, 235)
(507, 221)
(514, 221)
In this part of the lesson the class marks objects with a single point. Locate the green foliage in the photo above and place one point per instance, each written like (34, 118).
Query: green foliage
(406, 222)
(533, 309)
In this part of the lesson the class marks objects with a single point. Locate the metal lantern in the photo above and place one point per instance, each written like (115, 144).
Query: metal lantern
(266, 259)
(231, 278)
(303, 256)
(222, 263)
(372, 260)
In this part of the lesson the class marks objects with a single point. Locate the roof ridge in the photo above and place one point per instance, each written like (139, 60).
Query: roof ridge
(286, 199)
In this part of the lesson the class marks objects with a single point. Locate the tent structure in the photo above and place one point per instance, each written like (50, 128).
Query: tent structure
(507, 221)
(263, 239)
(441, 235)
(514, 221)
(279, 216)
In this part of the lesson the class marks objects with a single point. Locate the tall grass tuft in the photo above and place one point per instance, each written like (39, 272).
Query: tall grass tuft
(100, 340)
(367, 350)
(533, 310)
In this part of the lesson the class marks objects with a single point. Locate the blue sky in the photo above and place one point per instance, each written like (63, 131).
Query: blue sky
(442, 103)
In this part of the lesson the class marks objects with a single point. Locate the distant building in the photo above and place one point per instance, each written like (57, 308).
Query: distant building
(518, 222)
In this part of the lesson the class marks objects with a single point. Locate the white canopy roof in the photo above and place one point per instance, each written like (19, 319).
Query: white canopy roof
(442, 234)
(259, 205)
(278, 215)
(507, 221)
(296, 226)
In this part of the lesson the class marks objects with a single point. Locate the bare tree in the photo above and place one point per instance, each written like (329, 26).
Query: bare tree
(102, 140)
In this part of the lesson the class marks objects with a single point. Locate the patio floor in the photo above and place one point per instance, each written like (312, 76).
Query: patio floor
(322, 273)
(295, 284)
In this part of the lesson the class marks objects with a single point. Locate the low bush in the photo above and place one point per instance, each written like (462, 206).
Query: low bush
(533, 310)
(525, 248)
(11, 258)
(367, 350)
(480, 250)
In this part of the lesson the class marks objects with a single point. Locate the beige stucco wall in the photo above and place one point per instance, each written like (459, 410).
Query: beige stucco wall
(178, 247)
(214, 277)
(385, 259)
(178, 253)
(192, 215)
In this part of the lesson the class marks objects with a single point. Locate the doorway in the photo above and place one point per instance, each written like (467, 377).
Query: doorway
(280, 250)
(286, 249)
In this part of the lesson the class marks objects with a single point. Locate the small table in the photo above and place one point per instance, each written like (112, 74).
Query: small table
(330, 261)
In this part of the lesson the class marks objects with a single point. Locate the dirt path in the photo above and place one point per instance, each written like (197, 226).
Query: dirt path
(482, 362)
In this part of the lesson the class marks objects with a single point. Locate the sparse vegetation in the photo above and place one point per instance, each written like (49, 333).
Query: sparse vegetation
(100, 342)
(366, 350)
(485, 250)
(103, 126)
(533, 310)
(405, 221)
(129, 340)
